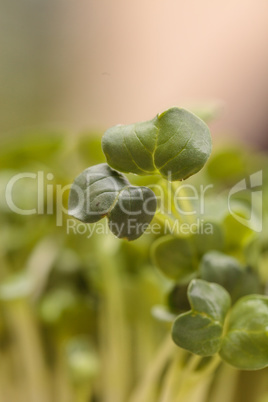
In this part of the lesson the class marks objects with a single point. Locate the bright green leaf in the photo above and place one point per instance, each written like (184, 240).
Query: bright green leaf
(29, 148)
(237, 235)
(245, 345)
(200, 330)
(175, 144)
(227, 165)
(89, 148)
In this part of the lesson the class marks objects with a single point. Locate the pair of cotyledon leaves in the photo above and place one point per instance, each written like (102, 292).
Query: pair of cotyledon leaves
(202, 327)
(241, 342)
(175, 144)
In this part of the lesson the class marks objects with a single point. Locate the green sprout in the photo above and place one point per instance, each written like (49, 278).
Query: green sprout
(226, 309)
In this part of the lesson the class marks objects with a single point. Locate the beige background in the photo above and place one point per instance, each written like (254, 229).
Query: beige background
(81, 64)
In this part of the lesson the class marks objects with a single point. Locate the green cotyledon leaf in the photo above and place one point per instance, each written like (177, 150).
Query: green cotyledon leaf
(227, 271)
(178, 256)
(100, 191)
(200, 329)
(175, 257)
(245, 345)
(175, 144)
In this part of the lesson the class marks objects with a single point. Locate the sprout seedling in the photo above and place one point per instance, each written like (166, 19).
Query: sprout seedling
(227, 310)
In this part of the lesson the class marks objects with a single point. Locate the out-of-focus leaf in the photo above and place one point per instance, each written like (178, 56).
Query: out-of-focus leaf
(177, 299)
(178, 257)
(200, 330)
(209, 236)
(245, 345)
(18, 192)
(82, 361)
(17, 286)
(162, 314)
(89, 147)
(175, 257)
(64, 310)
(29, 148)
(236, 234)
(207, 111)
(227, 165)
(222, 269)
(229, 273)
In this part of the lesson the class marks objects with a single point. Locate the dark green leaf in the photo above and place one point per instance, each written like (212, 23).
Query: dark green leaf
(134, 209)
(229, 273)
(222, 269)
(94, 191)
(101, 191)
(245, 345)
(200, 330)
(177, 299)
(175, 144)
(175, 257)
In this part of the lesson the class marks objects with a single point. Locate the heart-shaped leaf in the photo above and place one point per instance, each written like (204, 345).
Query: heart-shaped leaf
(200, 330)
(175, 144)
(245, 345)
(175, 257)
(100, 191)
(178, 257)
(228, 272)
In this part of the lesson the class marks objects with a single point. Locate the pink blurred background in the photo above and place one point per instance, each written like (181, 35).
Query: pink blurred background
(90, 64)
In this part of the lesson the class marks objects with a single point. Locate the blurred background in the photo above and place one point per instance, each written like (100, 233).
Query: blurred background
(76, 322)
(92, 64)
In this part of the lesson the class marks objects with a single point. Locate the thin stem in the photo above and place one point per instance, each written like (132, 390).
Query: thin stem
(221, 392)
(167, 222)
(187, 373)
(154, 371)
(191, 379)
(63, 390)
(113, 330)
(169, 381)
(185, 204)
(23, 325)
